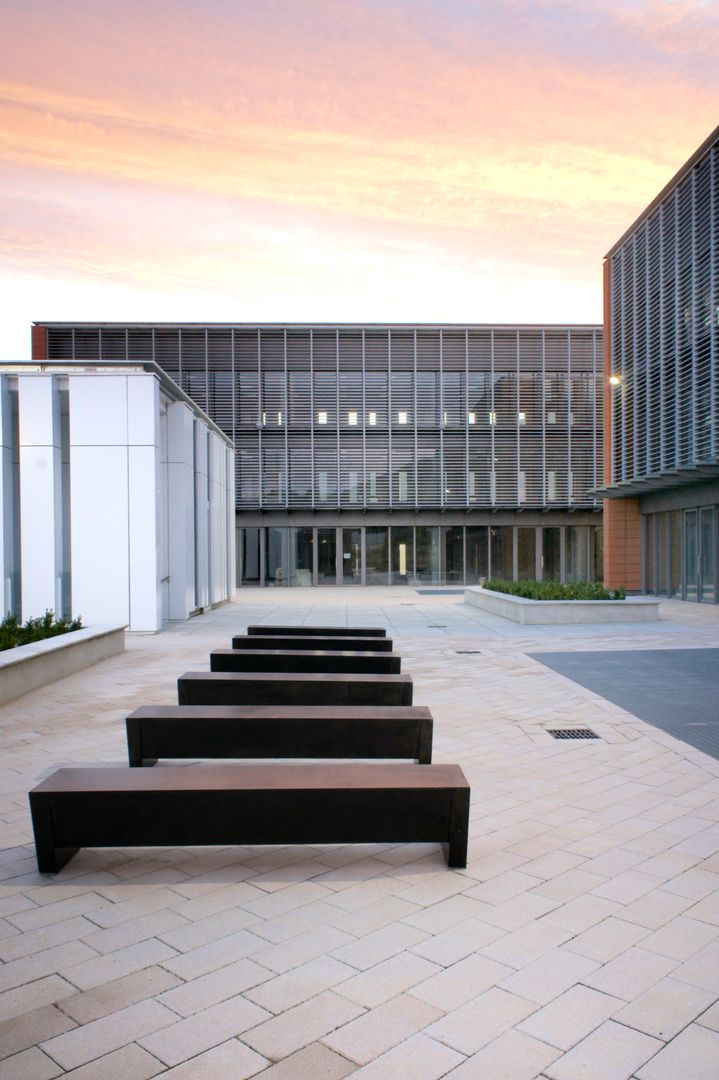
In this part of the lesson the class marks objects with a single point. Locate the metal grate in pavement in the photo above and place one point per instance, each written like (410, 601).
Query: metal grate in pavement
(572, 733)
(468, 652)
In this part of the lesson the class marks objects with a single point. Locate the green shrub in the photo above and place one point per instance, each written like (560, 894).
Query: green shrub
(13, 634)
(552, 590)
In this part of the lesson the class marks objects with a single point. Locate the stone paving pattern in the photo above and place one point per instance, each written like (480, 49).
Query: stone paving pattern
(581, 942)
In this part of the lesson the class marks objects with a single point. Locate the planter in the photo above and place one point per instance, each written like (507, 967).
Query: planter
(30, 666)
(555, 612)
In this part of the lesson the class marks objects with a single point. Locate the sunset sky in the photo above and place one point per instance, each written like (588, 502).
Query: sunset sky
(335, 160)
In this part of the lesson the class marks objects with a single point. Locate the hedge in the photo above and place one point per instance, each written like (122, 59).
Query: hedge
(553, 590)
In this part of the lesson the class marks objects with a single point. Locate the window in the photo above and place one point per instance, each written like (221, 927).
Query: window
(322, 487)
(372, 419)
(322, 417)
(403, 487)
(493, 418)
(352, 419)
(522, 417)
(471, 417)
(401, 417)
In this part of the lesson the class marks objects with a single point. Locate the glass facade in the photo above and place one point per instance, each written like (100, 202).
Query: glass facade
(680, 554)
(414, 555)
(400, 417)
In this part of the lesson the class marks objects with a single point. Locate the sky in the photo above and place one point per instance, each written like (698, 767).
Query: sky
(335, 160)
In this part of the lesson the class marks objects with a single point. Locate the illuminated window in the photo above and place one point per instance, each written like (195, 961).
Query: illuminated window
(472, 417)
(321, 417)
(372, 419)
(522, 487)
(401, 417)
(279, 419)
(472, 485)
(551, 417)
(551, 486)
(403, 487)
(522, 419)
(322, 486)
(352, 419)
(493, 418)
(264, 418)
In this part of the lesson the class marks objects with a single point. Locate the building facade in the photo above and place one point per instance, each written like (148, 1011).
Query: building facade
(117, 495)
(662, 384)
(391, 454)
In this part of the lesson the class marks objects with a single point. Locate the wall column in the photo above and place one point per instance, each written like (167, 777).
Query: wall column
(40, 510)
(181, 509)
(622, 544)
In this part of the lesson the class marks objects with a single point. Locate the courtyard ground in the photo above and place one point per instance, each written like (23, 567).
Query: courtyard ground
(581, 942)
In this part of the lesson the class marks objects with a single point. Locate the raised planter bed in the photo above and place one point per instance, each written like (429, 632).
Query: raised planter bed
(554, 612)
(29, 667)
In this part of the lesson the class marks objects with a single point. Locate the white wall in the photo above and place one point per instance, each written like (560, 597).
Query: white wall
(149, 510)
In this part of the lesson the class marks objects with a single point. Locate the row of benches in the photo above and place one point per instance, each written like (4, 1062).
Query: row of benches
(279, 709)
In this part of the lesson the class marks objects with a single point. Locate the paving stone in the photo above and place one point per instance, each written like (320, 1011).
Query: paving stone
(665, 1008)
(315, 1062)
(612, 1052)
(368, 1036)
(481, 1020)
(203, 1030)
(513, 1056)
(232, 1060)
(694, 1053)
(301, 1025)
(418, 1058)
(100, 1037)
(31, 1064)
(31, 1028)
(129, 1063)
(217, 986)
(119, 994)
(567, 1019)
(455, 985)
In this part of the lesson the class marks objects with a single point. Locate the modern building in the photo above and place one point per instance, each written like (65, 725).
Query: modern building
(117, 495)
(661, 513)
(390, 454)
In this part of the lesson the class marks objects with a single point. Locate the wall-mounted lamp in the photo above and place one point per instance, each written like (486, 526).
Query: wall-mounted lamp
(615, 380)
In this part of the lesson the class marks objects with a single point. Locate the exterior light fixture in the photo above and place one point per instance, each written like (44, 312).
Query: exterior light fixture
(615, 380)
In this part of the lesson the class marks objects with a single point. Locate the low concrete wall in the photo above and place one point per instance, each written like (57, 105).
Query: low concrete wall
(535, 612)
(29, 667)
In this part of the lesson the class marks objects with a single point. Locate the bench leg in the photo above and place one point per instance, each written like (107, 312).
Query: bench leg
(134, 745)
(50, 858)
(424, 747)
(458, 829)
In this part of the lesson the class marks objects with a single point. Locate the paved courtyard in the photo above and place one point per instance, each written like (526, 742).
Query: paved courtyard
(581, 942)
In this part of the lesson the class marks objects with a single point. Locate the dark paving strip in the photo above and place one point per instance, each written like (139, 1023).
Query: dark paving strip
(676, 690)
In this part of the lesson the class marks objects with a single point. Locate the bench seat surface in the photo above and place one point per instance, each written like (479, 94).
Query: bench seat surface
(301, 660)
(322, 631)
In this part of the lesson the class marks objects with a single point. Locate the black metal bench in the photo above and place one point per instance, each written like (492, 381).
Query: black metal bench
(295, 660)
(250, 804)
(312, 641)
(278, 731)
(276, 688)
(320, 631)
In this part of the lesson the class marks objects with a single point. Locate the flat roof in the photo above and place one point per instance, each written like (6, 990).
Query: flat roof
(315, 326)
(70, 367)
(677, 178)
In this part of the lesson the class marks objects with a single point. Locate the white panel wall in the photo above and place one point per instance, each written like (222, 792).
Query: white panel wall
(6, 497)
(151, 500)
(144, 502)
(181, 511)
(99, 498)
(39, 470)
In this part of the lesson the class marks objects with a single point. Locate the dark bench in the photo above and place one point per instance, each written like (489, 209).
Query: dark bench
(278, 731)
(294, 660)
(251, 804)
(331, 644)
(320, 631)
(275, 688)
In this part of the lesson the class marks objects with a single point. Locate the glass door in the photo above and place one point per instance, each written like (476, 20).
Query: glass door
(351, 556)
(326, 556)
(691, 556)
(707, 569)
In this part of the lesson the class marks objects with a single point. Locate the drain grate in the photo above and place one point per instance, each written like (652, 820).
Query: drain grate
(572, 733)
(468, 652)
(436, 626)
